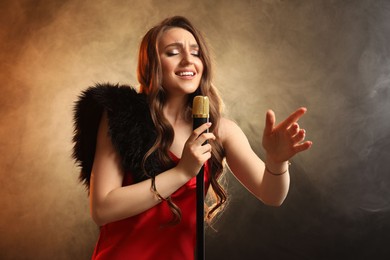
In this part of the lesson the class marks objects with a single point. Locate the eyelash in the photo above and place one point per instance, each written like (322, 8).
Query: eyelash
(170, 54)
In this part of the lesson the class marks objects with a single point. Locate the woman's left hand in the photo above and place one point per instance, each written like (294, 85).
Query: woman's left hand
(283, 141)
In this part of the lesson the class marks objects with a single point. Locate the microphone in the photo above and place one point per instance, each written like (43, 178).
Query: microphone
(200, 111)
(200, 115)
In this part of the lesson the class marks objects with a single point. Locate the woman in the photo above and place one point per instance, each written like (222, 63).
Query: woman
(139, 154)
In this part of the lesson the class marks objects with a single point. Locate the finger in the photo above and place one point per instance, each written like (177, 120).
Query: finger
(205, 137)
(205, 157)
(302, 146)
(269, 122)
(205, 149)
(198, 131)
(203, 153)
(294, 117)
(293, 129)
(299, 137)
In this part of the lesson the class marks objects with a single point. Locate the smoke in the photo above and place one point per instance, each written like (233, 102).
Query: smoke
(330, 56)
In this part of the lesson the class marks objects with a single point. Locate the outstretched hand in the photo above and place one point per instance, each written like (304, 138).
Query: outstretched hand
(283, 141)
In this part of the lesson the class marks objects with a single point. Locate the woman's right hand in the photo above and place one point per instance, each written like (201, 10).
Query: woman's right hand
(195, 152)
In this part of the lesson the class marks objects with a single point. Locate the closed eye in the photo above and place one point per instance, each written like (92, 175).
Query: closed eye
(172, 53)
(195, 53)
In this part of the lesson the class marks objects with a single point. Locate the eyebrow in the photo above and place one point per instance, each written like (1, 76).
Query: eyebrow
(179, 44)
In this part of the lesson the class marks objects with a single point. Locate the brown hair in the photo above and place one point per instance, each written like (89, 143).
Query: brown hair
(150, 78)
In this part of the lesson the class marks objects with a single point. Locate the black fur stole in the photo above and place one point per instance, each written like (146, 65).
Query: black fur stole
(131, 129)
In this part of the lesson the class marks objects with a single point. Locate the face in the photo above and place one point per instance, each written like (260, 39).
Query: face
(181, 66)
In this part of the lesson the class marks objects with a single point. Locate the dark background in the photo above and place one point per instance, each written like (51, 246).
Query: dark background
(331, 56)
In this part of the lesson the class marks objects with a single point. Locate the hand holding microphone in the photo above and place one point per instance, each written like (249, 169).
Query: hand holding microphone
(197, 150)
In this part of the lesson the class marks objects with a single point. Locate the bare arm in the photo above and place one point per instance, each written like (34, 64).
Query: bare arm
(111, 202)
(249, 169)
(280, 142)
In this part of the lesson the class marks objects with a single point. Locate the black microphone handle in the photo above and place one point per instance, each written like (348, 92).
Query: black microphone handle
(200, 234)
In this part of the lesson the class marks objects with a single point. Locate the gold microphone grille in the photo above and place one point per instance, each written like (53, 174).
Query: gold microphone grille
(200, 107)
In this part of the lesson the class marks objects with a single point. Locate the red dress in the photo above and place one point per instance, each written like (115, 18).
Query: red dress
(146, 236)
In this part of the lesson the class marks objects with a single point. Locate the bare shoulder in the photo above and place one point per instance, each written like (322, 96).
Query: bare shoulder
(227, 129)
(226, 123)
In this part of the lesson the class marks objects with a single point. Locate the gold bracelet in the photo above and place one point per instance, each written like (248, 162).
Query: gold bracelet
(276, 174)
(155, 192)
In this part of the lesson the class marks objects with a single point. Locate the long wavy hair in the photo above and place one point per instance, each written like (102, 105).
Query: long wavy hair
(149, 74)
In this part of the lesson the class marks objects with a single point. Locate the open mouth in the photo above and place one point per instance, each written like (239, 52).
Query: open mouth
(185, 73)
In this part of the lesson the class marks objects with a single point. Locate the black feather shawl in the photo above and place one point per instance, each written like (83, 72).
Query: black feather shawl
(130, 127)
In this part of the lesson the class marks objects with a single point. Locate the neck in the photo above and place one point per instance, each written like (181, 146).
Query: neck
(174, 109)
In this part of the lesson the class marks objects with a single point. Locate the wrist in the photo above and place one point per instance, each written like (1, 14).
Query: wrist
(276, 168)
(184, 174)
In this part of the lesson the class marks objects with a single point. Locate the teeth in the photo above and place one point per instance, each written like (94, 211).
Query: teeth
(186, 73)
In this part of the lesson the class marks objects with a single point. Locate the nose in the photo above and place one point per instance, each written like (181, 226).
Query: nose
(188, 59)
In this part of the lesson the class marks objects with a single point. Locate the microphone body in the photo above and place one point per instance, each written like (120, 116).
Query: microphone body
(200, 114)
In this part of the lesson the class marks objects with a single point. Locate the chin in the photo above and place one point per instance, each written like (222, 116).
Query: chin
(189, 89)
